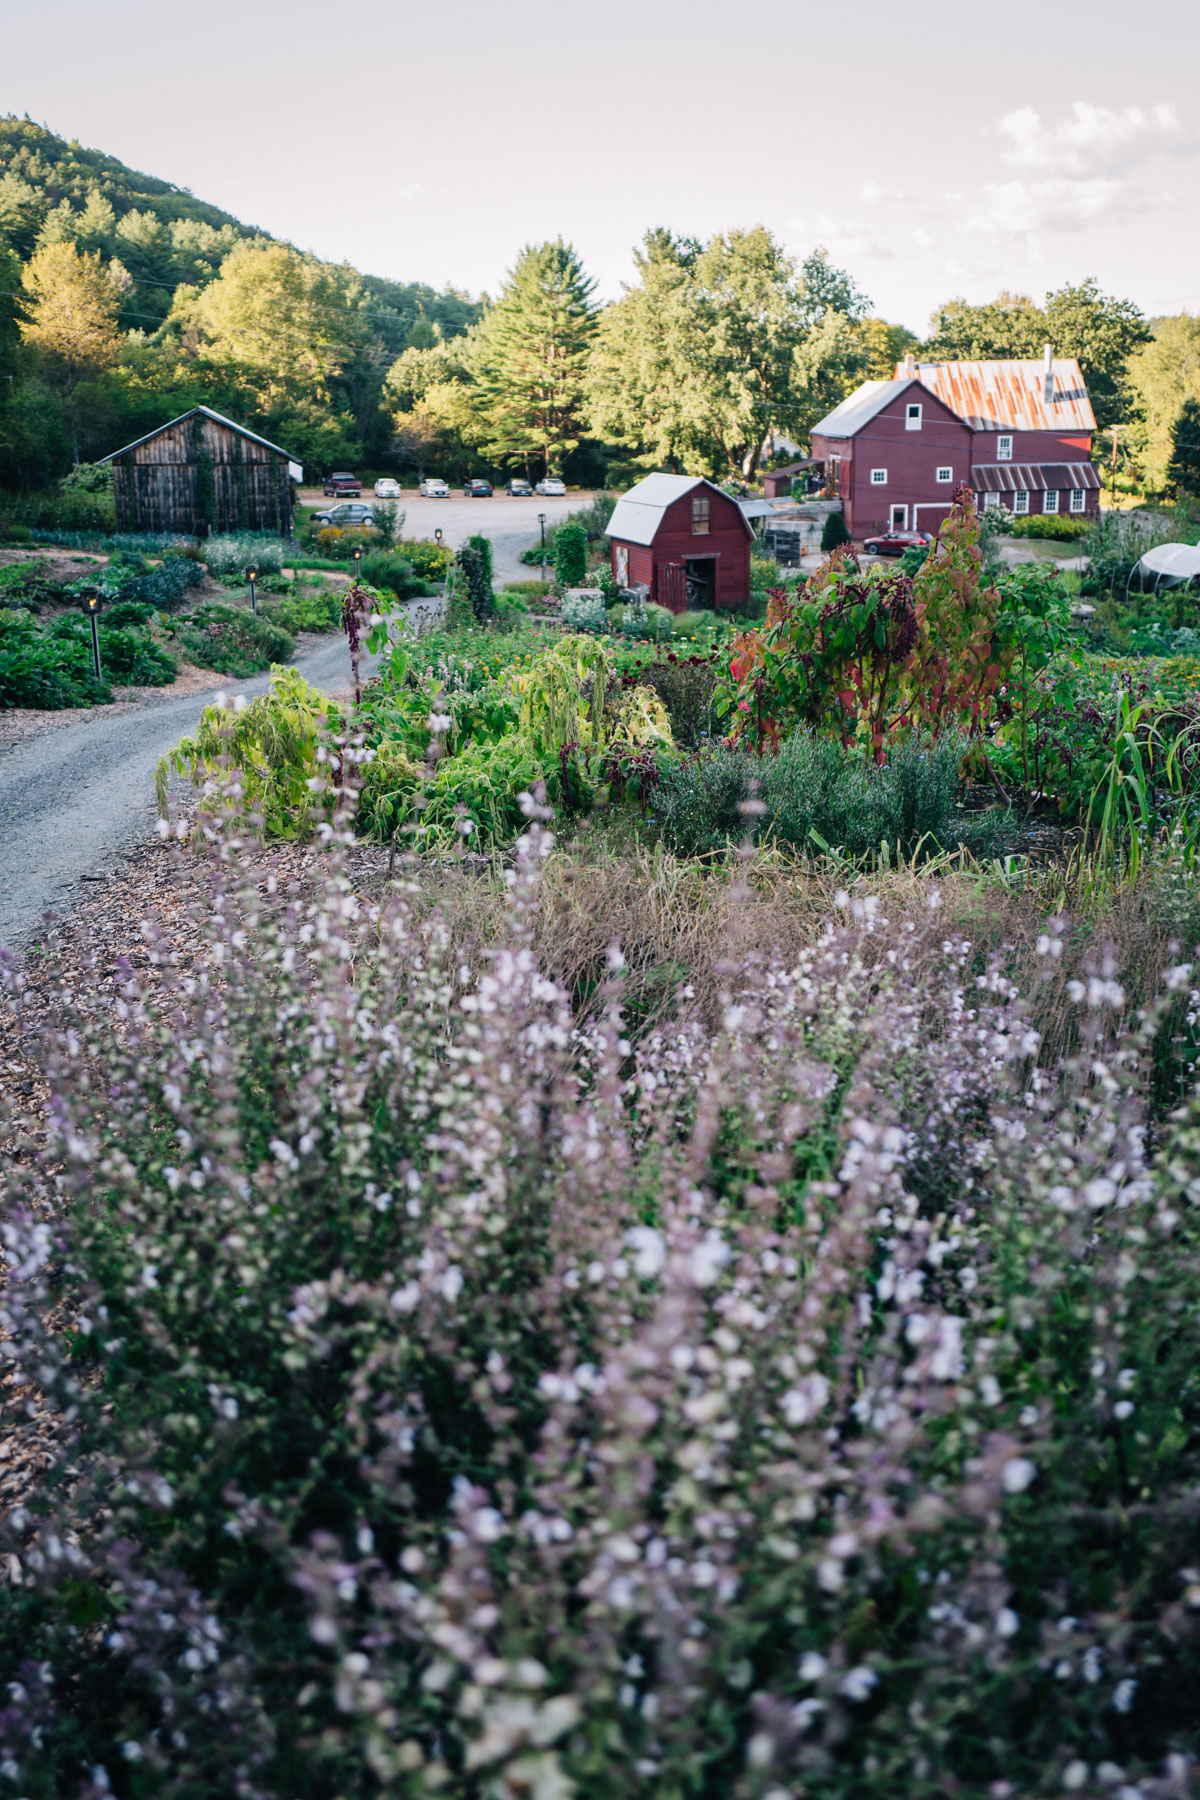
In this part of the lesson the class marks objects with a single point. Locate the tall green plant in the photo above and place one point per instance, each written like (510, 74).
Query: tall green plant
(570, 554)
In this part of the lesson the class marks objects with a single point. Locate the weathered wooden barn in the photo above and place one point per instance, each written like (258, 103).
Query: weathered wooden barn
(202, 473)
(683, 539)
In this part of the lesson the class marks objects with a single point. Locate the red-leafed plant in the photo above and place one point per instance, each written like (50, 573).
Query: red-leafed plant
(865, 654)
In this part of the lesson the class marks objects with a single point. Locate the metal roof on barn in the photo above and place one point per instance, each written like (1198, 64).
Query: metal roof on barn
(217, 418)
(639, 513)
(860, 407)
(1015, 478)
(1009, 396)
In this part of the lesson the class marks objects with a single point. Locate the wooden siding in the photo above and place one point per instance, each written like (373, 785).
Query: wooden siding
(199, 476)
(726, 543)
(912, 459)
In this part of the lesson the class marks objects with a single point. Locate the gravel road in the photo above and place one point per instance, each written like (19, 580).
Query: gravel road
(72, 802)
(511, 524)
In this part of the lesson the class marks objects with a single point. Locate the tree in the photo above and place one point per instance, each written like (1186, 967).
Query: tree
(1163, 375)
(530, 357)
(1099, 331)
(720, 344)
(288, 334)
(645, 384)
(883, 346)
(1183, 470)
(1011, 325)
(72, 300)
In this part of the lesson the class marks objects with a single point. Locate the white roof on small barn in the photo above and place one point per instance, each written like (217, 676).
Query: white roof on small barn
(1179, 562)
(860, 407)
(639, 513)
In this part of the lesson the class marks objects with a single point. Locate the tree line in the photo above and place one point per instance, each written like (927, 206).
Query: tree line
(124, 301)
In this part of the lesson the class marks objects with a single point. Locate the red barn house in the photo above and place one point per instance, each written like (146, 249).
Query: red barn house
(685, 540)
(1017, 433)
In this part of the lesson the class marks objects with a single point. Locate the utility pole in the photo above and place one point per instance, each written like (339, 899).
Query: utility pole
(1113, 478)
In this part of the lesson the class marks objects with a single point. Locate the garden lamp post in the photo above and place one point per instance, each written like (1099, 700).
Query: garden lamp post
(438, 540)
(91, 600)
(252, 578)
(542, 524)
(357, 567)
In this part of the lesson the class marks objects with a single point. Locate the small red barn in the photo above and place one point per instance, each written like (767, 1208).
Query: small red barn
(685, 540)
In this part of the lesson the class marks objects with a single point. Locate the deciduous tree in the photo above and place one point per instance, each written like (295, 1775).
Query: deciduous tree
(1163, 375)
(719, 344)
(71, 303)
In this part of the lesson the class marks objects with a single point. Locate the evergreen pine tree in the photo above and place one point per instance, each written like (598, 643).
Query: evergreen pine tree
(531, 357)
(1183, 470)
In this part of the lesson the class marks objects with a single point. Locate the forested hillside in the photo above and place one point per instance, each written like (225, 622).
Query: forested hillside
(124, 298)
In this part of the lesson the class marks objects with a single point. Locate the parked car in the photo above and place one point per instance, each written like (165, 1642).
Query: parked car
(551, 485)
(517, 486)
(895, 543)
(434, 488)
(387, 489)
(342, 482)
(477, 489)
(351, 514)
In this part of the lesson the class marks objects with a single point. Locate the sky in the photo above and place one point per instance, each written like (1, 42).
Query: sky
(934, 149)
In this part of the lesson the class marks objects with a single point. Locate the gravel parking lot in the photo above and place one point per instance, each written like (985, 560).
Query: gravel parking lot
(511, 524)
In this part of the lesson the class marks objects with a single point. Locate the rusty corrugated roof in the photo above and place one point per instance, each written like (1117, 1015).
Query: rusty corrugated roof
(1008, 396)
(1012, 478)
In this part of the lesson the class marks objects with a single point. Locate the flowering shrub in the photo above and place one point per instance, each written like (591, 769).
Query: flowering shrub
(456, 1396)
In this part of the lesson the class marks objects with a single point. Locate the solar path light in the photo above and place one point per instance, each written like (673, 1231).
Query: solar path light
(252, 578)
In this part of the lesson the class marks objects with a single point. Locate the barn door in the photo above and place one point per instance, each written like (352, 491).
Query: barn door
(672, 586)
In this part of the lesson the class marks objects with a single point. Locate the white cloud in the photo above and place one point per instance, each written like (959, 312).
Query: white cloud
(1058, 204)
(845, 239)
(1091, 140)
(924, 240)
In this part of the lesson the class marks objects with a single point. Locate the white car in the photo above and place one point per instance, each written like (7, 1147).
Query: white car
(434, 489)
(387, 489)
(551, 485)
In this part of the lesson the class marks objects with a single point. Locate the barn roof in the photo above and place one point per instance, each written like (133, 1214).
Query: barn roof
(860, 407)
(639, 513)
(1011, 478)
(1009, 396)
(218, 418)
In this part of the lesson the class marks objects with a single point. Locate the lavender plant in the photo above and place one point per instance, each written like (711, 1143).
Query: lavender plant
(462, 1397)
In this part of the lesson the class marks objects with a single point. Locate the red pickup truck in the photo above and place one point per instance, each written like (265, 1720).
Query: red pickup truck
(341, 483)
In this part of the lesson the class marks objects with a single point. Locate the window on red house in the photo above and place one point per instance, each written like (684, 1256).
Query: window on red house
(700, 520)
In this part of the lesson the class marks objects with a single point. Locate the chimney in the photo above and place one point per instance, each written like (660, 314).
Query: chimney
(1048, 374)
(910, 366)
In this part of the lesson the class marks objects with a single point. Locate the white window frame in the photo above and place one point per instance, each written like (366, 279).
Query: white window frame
(1050, 500)
(1078, 500)
(897, 517)
(1004, 448)
(991, 501)
(944, 474)
(1021, 503)
(878, 477)
(912, 416)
